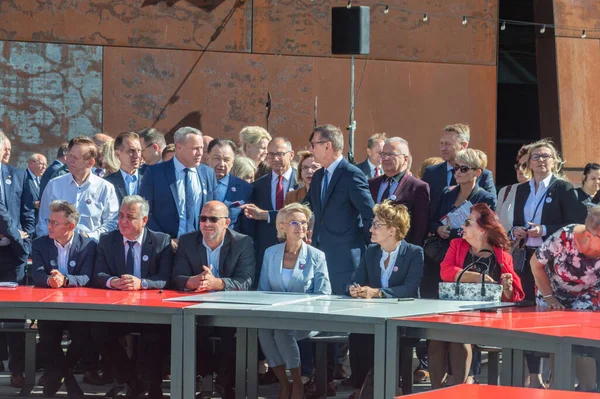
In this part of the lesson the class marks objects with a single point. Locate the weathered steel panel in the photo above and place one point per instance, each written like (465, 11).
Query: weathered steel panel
(50, 93)
(303, 27)
(578, 14)
(186, 24)
(225, 92)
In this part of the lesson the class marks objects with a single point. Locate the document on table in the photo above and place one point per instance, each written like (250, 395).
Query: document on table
(7, 284)
(249, 297)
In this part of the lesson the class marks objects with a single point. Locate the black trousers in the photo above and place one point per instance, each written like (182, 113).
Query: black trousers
(221, 357)
(534, 363)
(51, 333)
(153, 347)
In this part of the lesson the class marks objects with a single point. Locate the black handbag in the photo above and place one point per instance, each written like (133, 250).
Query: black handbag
(435, 249)
(519, 255)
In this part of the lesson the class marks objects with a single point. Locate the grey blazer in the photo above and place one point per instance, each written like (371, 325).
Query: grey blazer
(237, 261)
(404, 281)
(309, 276)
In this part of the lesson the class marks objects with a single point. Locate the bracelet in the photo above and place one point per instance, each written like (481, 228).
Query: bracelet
(547, 296)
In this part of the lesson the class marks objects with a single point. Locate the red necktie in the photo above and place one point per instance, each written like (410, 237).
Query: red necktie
(376, 171)
(279, 194)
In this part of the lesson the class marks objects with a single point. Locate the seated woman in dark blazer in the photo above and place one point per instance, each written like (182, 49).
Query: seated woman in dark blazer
(484, 242)
(389, 268)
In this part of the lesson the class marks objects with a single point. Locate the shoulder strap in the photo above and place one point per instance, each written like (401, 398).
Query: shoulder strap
(508, 188)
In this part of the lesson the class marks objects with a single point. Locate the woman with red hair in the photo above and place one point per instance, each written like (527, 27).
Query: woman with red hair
(484, 243)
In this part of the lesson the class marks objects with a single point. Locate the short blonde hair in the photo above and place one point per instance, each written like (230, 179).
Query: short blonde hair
(558, 161)
(110, 159)
(253, 135)
(394, 215)
(483, 157)
(427, 163)
(471, 158)
(242, 167)
(462, 130)
(285, 212)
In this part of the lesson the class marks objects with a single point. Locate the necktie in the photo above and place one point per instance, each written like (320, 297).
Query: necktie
(325, 184)
(386, 192)
(376, 171)
(190, 209)
(279, 194)
(37, 182)
(132, 185)
(452, 178)
(130, 264)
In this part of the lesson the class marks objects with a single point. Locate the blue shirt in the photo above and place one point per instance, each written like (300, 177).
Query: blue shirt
(222, 186)
(213, 256)
(131, 181)
(180, 178)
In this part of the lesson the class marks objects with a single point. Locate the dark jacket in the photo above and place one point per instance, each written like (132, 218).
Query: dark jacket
(116, 179)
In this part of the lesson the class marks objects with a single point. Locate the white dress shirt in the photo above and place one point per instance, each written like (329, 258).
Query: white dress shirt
(330, 170)
(180, 181)
(533, 200)
(36, 179)
(287, 175)
(386, 272)
(213, 256)
(131, 181)
(63, 256)
(95, 200)
(137, 257)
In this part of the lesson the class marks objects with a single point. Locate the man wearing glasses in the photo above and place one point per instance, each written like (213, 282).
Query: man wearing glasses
(153, 143)
(215, 258)
(129, 152)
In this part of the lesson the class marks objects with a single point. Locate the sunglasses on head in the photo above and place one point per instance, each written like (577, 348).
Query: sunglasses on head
(521, 166)
(462, 168)
(212, 219)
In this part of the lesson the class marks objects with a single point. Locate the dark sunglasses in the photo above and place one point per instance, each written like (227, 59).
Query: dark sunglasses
(212, 219)
(462, 168)
(469, 222)
(521, 166)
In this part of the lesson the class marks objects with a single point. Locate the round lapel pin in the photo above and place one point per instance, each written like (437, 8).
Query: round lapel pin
(233, 189)
(72, 263)
(52, 262)
(8, 181)
(145, 258)
(548, 200)
(88, 201)
(395, 269)
(393, 197)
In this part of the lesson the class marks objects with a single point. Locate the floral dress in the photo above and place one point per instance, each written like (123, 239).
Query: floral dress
(575, 278)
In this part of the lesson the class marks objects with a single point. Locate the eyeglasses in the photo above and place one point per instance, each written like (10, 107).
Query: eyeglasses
(54, 223)
(390, 154)
(541, 157)
(277, 154)
(45, 165)
(295, 224)
(462, 168)
(521, 166)
(377, 225)
(212, 219)
(149, 145)
(314, 143)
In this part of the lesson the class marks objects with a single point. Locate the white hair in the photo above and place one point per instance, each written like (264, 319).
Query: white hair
(398, 140)
(136, 199)
(182, 133)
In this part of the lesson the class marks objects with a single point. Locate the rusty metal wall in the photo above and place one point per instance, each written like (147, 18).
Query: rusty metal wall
(419, 77)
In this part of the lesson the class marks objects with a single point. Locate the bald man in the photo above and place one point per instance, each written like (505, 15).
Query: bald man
(100, 139)
(35, 169)
(7, 150)
(207, 140)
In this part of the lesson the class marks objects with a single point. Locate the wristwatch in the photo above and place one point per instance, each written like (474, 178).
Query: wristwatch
(144, 284)
(66, 282)
(381, 294)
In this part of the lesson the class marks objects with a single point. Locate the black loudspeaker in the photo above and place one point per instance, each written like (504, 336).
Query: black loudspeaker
(350, 30)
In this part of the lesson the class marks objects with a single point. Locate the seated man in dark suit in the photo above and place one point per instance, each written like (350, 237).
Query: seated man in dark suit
(129, 152)
(62, 259)
(402, 188)
(231, 190)
(454, 138)
(215, 259)
(134, 258)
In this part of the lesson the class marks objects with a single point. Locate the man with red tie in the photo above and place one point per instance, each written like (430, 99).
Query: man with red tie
(371, 166)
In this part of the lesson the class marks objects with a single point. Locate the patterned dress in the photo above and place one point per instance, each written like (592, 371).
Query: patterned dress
(575, 278)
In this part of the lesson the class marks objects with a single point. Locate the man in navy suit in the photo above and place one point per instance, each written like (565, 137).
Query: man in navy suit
(16, 196)
(178, 189)
(454, 138)
(231, 190)
(153, 143)
(129, 152)
(268, 197)
(62, 259)
(134, 258)
(36, 167)
(371, 166)
(59, 162)
(400, 187)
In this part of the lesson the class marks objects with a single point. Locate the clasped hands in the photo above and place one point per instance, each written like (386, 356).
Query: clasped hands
(534, 231)
(126, 282)
(205, 281)
(356, 291)
(56, 279)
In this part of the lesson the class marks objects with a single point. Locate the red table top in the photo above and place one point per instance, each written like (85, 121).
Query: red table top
(476, 391)
(150, 298)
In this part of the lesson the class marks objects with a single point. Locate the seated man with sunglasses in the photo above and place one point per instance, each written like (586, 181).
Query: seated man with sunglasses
(215, 258)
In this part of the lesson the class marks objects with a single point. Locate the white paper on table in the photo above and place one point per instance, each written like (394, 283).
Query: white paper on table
(7, 284)
(457, 217)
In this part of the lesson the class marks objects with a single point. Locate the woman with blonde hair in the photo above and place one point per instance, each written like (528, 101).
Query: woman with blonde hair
(292, 266)
(244, 168)
(110, 162)
(254, 141)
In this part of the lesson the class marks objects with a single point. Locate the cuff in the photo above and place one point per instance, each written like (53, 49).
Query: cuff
(544, 231)
(108, 283)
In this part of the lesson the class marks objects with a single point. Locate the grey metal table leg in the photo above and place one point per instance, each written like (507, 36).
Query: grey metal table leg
(321, 369)
(241, 339)
(252, 363)
(493, 363)
(518, 369)
(563, 367)
(391, 362)
(506, 369)
(380, 362)
(186, 348)
(30, 342)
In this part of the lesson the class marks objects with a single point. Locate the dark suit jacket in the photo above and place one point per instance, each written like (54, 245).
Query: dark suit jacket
(45, 256)
(365, 168)
(116, 179)
(8, 228)
(19, 204)
(240, 191)
(446, 204)
(262, 232)
(436, 176)
(564, 208)
(236, 261)
(413, 193)
(53, 167)
(342, 221)
(156, 270)
(404, 281)
(35, 194)
(159, 178)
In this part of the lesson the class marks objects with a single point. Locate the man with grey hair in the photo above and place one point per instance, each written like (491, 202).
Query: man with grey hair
(399, 187)
(178, 189)
(62, 259)
(340, 199)
(134, 258)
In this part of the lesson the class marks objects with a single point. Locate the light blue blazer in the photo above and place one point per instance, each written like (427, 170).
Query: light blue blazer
(310, 273)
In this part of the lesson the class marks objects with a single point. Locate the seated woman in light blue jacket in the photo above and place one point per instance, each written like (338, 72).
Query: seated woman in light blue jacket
(292, 266)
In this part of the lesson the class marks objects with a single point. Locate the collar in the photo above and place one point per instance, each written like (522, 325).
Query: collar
(125, 174)
(543, 184)
(371, 166)
(287, 175)
(399, 176)
(179, 167)
(334, 164)
(212, 250)
(34, 177)
(394, 252)
(67, 245)
(225, 180)
(449, 167)
(138, 240)
(91, 178)
(59, 162)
